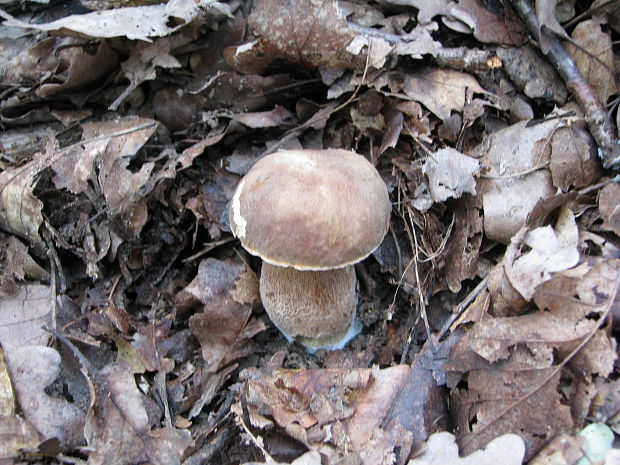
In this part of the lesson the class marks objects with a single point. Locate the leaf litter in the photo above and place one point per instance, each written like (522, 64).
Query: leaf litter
(131, 328)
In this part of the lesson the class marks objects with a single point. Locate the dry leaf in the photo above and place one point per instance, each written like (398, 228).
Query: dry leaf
(20, 210)
(609, 207)
(279, 116)
(117, 426)
(462, 249)
(17, 262)
(210, 206)
(441, 449)
(450, 174)
(142, 65)
(149, 345)
(17, 435)
(31, 66)
(487, 26)
(574, 161)
(562, 449)
(84, 69)
(33, 369)
(427, 9)
(227, 292)
(308, 458)
(370, 412)
(514, 364)
(108, 146)
(548, 25)
(417, 43)
(441, 90)
(23, 315)
(514, 176)
(394, 126)
(552, 249)
(136, 23)
(594, 57)
(7, 396)
(378, 49)
(517, 395)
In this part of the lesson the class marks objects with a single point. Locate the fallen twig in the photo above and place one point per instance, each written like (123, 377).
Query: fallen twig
(601, 127)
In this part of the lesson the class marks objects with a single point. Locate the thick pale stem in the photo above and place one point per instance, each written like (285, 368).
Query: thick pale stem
(314, 308)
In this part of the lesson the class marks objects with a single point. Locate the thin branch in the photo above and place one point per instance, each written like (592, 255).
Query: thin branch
(601, 127)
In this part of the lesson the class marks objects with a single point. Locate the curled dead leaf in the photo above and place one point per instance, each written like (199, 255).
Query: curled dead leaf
(20, 209)
(450, 174)
(33, 369)
(17, 435)
(609, 207)
(441, 449)
(593, 54)
(441, 90)
(227, 291)
(117, 426)
(514, 176)
(138, 23)
(368, 412)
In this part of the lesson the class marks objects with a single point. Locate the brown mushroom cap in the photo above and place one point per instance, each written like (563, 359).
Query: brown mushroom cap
(311, 209)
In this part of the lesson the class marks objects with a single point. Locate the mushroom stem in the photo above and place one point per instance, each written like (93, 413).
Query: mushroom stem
(314, 308)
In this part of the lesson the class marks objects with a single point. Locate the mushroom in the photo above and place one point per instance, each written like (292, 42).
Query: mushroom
(311, 215)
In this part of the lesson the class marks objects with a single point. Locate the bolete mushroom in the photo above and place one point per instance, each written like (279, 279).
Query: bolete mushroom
(311, 215)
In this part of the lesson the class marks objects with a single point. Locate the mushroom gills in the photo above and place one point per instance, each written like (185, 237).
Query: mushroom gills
(314, 308)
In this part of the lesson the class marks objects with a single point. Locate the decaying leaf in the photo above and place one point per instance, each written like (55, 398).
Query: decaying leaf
(142, 65)
(609, 207)
(441, 90)
(441, 449)
(17, 435)
(486, 25)
(463, 245)
(7, 395)
(548, 25)
(17, 262)
(107, 146)
(513, 365)
(117, 167)
(563, 448)
(137, 23)
(594, 57)
(574, 162)
(266, 119)
(427, 9)
(227, 291)
(23, 315)
(29, 66)
(552, 249)
(369, 412)
(149, 344)
(33, 369)
(514, 176)
(117, 426)
(308, 458)
(20, 210)
(83, 69)
(450, 174)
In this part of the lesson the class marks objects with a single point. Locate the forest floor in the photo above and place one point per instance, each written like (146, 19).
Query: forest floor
(131, 327)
